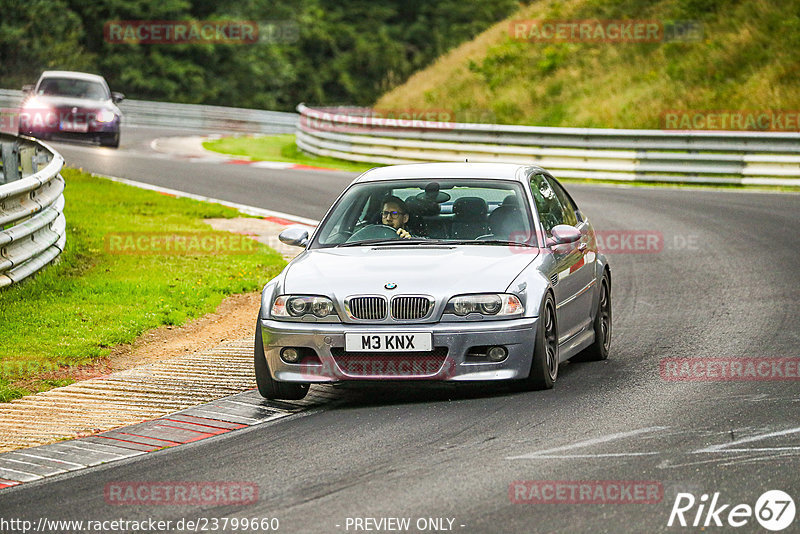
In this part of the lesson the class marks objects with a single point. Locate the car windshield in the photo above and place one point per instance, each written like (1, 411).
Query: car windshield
(72, 87)
(429, 211)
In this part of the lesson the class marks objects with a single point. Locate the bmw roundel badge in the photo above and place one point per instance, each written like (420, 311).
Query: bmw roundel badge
(390, 285)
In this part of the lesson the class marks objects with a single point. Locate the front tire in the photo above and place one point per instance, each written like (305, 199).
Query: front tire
(268, 387)
(110, 141)
(544, 366)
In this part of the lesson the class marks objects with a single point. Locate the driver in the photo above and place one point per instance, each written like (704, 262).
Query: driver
(395, 214)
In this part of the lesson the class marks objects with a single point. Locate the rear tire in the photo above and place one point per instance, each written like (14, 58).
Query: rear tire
(598, 350)
(544, 366)
(268, 387)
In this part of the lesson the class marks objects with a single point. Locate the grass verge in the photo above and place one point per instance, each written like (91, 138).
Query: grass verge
(103, 292)
(280, 148)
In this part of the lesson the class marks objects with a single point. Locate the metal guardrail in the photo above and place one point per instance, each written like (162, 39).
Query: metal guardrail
(189, 116)
(763, 158)
(32, 223)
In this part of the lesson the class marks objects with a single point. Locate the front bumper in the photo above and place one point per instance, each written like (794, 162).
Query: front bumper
(51, 125)
(516, 335)
(108, 129)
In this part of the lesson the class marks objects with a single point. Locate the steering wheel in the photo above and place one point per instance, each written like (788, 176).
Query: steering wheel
(374, 231)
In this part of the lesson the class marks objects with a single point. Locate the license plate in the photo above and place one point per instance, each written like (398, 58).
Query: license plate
(70, 126)
(394, 342)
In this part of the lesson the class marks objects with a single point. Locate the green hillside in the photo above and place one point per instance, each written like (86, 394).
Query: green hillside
(747, 58)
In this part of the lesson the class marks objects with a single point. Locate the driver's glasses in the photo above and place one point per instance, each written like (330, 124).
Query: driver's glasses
(393, 214)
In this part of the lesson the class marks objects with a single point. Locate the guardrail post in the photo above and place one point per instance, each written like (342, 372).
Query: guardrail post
(27, 161)
(10, 157)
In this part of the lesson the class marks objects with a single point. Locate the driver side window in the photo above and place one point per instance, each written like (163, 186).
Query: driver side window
(551, 212)
(570, 210)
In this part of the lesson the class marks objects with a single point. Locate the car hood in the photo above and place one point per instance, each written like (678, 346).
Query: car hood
(69, 101)
(439, 271)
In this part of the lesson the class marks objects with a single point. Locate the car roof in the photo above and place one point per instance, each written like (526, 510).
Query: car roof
(489, 171)
(72, 74)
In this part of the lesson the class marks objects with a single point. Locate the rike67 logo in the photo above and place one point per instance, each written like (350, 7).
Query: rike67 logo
(774, 510)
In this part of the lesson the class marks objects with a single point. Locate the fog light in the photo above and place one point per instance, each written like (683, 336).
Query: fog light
(290, 355)
(497, 354)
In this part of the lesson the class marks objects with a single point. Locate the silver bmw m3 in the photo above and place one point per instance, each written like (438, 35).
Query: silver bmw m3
(437, 271)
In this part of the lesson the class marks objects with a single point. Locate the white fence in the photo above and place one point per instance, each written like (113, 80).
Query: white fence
(765, 158)
(32, 224)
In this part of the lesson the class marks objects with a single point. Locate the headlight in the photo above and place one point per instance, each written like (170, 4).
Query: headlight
(34, 103)
(299, 305)
(105, 115)
(493, 304)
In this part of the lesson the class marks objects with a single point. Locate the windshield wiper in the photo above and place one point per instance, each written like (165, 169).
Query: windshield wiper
(487, 242)
(423, 241)
(382, 242)
(407, 241)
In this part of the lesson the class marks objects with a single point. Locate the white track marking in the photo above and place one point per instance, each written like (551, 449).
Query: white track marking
(599, 455)
(593, 441)
(726, 447)
(249, 210)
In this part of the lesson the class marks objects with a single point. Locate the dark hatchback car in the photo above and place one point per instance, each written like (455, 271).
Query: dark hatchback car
(71, 105)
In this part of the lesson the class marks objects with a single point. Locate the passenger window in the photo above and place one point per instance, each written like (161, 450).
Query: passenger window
(570, 210)
(549, 207)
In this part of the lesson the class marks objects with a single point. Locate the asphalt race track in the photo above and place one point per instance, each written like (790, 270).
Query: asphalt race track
(724, 282)
(304, 193)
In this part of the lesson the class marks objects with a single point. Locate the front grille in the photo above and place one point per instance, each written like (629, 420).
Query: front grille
(410, 307)
(368, 308)
(66, 111)
(390, 364)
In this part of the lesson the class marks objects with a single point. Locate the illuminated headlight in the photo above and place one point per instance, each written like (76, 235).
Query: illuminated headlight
(299, 305)
(105, 115)
(34, 103)
(495, 304)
